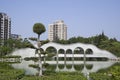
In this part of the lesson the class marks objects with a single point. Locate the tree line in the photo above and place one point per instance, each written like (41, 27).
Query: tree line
(10, 45)
(101, 41)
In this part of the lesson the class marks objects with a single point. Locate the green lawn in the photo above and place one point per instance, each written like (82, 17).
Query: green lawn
(58, 76)
(112, 73)
(8, 73)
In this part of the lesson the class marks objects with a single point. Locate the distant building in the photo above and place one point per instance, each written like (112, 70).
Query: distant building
(5, 26)
(57, 31)
(15, 36)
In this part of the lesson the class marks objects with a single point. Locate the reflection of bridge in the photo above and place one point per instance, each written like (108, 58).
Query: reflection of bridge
(94, 65)
(77, 51)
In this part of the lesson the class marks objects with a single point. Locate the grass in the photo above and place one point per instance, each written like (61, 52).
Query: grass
(57, 76)
(113, 73)
(8, 73)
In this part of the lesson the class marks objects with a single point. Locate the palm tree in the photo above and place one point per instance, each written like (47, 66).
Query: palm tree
(39, 28)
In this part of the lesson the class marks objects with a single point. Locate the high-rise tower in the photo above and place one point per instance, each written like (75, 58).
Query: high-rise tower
(5, 26)
(57, 31)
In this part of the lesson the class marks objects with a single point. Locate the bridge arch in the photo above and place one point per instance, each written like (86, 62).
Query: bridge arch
(68, 51)
(51, 49)
(61, 51)
(84, 50)
(89, 51)
(78, 50)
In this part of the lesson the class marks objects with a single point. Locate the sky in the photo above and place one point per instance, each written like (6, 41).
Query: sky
(84, 18)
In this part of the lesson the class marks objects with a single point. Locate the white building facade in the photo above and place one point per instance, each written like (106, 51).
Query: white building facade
(57, 31)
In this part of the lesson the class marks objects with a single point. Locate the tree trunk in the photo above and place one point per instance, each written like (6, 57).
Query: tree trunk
(40, 60)
(44, 59)
(40, 65)
(38, 37)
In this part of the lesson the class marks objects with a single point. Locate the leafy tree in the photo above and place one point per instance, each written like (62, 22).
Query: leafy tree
(4, 50)
(33, 38)
(39, 28)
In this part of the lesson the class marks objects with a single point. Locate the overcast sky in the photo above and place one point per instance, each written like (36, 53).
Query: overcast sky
(83, 17)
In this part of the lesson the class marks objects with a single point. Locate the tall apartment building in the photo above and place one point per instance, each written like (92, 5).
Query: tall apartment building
(57, 31)
(5, 26)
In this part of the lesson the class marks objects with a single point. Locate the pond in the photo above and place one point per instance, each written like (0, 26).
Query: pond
(88, 67)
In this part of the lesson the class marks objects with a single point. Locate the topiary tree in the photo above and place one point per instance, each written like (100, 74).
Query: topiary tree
(39, 28)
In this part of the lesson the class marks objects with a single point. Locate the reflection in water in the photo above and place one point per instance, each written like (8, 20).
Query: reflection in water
(25, 66)
(90, 66)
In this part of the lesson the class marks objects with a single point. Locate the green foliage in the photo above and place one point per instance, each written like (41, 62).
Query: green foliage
(111, 46)
(33, 39)
(44, 42)
(101, 41)
(10, 59)
(110, 74)
(5, 66)
(4, 50)
(79, 67)
(100, 76)
(8, 73)
(34, 66)
(11, 44)
(38, 28)
(45, 65)
(57, 76)
(51, 68)
(31, 58)
(88, 66)
(11, 56)
(61, 66)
